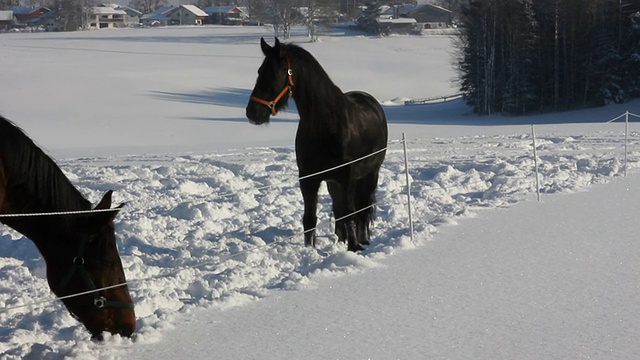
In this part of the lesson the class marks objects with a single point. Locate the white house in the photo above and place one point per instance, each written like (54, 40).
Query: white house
(187, 15)
(105, 17)
(175, 15)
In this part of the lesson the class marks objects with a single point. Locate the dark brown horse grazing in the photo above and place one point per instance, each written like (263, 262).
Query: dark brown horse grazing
(79, 250)
(335, 128)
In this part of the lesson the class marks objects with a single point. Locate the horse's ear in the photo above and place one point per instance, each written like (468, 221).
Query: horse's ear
(95, 222)
(277, 48)
(266, 49)
(105, 203)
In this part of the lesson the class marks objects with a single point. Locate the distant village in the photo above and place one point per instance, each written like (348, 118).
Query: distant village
(385, 20)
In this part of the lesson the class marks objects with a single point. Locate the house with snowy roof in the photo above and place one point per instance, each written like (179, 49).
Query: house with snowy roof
(109, 16)
(105, 17)
(38, 18)
(226, 15)
(175, 15)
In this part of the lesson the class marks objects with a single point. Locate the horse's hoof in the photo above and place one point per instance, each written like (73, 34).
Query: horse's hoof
(355, 248)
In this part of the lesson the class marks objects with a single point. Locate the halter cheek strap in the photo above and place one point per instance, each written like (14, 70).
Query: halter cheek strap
(287, 88)
(99, 301)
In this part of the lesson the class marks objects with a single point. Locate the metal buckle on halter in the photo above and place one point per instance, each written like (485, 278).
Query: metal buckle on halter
(100, 302)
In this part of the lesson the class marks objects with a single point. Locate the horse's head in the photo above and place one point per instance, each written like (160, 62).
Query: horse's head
(93, 263)
(274, 86)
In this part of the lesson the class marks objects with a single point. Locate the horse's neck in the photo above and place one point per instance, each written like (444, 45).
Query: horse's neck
(321, 110)
(30, 201)
(44, 231)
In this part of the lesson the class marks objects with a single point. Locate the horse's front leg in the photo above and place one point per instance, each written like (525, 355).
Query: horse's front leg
(309, 189)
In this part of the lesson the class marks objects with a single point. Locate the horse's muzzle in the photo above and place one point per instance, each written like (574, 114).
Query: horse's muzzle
(257, 114)
(115, 321)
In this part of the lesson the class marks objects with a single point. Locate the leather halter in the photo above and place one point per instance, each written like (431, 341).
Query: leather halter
(287, 88)
(99, 301)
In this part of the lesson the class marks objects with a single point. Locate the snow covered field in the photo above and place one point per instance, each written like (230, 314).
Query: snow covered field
(211, 234)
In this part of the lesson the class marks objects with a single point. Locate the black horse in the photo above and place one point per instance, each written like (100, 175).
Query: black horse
(79, 250)
(335, 129)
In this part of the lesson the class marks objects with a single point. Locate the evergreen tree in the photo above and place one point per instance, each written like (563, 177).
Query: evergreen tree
(521, 56)
(630, 70)
(475, 56)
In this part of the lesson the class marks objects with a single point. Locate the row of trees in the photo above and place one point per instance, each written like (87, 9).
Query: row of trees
(282, 14)
(524, 56)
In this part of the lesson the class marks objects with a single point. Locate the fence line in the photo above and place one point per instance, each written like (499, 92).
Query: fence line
(339, 166)
(433, 99)
(318, 173)
(58, 213)
(219, 260)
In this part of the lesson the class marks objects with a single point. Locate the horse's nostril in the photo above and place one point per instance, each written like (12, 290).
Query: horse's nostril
(128, 324)
(127, 330)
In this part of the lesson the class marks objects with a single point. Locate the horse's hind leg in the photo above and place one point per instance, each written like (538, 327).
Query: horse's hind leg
(343, 209)
(365, 201)
(309, 188)
(339, 209)
(3, 186)
(350, 222)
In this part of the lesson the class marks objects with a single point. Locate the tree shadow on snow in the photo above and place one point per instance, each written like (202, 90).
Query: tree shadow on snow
(231, 97)
(226, 96)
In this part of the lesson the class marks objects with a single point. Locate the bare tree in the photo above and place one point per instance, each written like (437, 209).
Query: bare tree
(71, 14)
(278, 13)
(8, 4)
(320, 12)
(147, 6)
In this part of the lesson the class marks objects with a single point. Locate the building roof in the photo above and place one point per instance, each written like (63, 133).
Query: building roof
(107, 10)
(396, 10)
(435, 8)
(194, 9)
(129, 10)
(23, 10)
(396, 21)
(222, 9)
(163, 10)
(154, 17)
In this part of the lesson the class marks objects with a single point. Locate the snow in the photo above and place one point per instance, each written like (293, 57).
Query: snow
(210, 236)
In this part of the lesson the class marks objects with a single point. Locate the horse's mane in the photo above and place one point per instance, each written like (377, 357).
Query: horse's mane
(34, 182)
(313, 84)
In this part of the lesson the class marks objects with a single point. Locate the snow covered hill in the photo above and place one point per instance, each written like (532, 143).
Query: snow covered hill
(212, 224)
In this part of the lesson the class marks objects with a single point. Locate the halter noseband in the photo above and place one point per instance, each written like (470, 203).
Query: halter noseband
(287, 88)
(99, 301)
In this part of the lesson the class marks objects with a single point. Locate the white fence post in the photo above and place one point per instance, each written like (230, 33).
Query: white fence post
(626, 140)
(406, 173)
(535, 161)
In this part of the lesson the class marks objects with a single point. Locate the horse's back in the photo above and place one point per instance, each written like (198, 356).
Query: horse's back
(368, 116)
(13, 144)
(10, 133)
